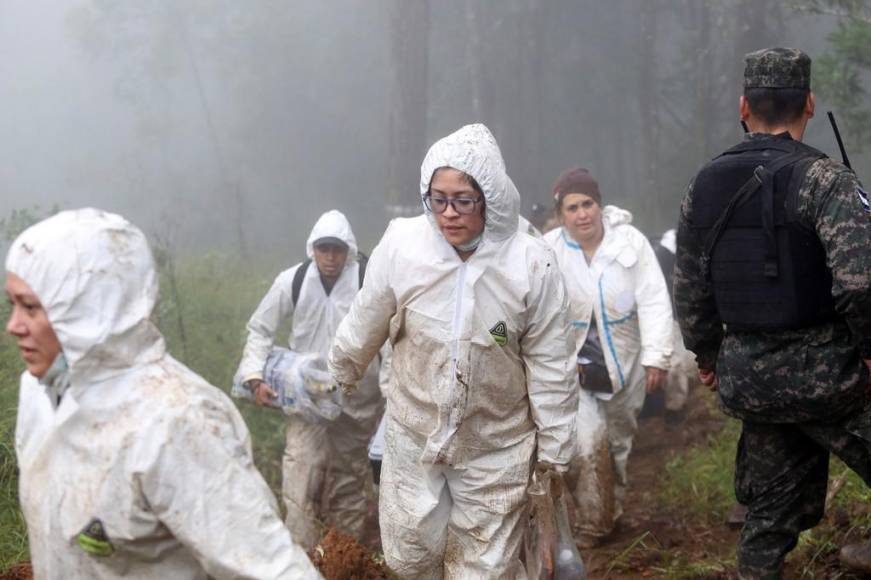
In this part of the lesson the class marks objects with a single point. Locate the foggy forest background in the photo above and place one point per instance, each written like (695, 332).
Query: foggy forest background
(232, 125)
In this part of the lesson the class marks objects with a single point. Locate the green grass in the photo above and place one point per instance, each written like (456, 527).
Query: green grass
(13, 535)
(214, 297)
(698, 484)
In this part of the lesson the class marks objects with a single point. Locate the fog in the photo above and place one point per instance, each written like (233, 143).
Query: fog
(233, 125)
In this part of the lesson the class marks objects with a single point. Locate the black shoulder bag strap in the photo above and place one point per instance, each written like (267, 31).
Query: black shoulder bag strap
(298, 277)
(763, 177)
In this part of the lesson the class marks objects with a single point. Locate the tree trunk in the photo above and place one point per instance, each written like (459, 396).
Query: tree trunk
(648, 107)
(408, 115)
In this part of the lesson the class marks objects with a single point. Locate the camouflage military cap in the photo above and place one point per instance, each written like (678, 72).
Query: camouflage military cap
(777, 68)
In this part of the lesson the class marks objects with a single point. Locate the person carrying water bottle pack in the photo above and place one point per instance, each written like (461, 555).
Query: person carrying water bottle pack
(325, 470)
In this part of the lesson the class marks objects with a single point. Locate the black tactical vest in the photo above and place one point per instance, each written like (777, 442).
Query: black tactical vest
(767, 268)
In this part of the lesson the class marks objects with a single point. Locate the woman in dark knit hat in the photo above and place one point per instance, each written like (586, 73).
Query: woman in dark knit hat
(621, 313)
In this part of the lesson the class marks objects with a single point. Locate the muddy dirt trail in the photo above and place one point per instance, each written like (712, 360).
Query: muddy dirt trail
(20, 571)
(646, 522)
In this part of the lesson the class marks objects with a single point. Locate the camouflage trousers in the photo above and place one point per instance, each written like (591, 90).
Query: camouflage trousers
(781, 474)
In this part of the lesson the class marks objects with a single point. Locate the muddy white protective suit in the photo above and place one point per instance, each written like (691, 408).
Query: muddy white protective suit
(143, 470)
(482, 376)
(326, 473)
(624, 288)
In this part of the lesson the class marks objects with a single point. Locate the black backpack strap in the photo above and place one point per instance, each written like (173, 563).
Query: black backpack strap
(744, 192)
(363, 260)
(298, 277)
(763, 177)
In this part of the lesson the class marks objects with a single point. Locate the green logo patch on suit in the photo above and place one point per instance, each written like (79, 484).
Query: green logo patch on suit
(94, 541)
(499, 332)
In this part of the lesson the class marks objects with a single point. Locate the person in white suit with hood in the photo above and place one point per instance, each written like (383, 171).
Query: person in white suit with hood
(621, 313)
(130, 464)
(326, 473)
(482, 381)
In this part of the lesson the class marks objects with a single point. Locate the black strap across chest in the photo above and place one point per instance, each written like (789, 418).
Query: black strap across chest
(299, 275)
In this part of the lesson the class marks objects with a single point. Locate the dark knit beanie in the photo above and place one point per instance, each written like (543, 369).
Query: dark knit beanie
(576, 180)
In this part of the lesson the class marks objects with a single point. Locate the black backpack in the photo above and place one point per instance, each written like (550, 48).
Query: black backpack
(299, 275)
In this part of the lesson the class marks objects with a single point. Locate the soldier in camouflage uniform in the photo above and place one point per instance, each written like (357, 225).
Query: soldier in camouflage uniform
(773, 295)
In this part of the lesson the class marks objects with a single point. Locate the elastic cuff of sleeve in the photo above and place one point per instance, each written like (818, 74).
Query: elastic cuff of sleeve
(865, 349)
(251, 376)
(660, 362)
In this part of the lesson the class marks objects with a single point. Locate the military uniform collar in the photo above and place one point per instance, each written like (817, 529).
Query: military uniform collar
(762, 136)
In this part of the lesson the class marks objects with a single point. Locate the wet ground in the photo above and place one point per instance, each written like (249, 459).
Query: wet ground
(648, 530)
(340, 557)
(20, 571)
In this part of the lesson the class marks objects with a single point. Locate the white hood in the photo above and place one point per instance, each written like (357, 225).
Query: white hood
(669, 240)
(615, 216)
(333, 224)
(474, 151)
(139, 446)
(95, 276)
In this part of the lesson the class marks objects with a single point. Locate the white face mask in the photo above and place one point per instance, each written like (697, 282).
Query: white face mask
(471, 244)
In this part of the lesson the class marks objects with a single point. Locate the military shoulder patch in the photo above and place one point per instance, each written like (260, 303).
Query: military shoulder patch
(863, 198)
(499, 332)
(94, 541)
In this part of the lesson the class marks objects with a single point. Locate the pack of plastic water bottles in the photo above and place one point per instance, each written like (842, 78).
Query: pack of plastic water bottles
(302, 385)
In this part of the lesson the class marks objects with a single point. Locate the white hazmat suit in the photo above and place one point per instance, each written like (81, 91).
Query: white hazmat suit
(326, 473)
(482, 376)
(624, 288)
(142, 469)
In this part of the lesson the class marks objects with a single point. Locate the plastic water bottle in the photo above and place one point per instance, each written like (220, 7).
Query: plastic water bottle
(568, 564)
(301, 382)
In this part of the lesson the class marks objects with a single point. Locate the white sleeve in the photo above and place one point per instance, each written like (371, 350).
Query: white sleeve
(199, 479)
(274, 308)
(365, 329)
(655, 319)
(547, 350)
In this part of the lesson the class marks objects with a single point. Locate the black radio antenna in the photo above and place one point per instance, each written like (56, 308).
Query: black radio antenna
(840, 141)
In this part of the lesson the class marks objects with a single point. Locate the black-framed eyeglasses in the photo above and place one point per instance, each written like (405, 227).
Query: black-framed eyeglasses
(461, 205)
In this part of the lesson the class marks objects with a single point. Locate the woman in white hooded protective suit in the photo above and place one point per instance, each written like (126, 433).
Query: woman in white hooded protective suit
(131, 465)
(623, 329)
(482, 380)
